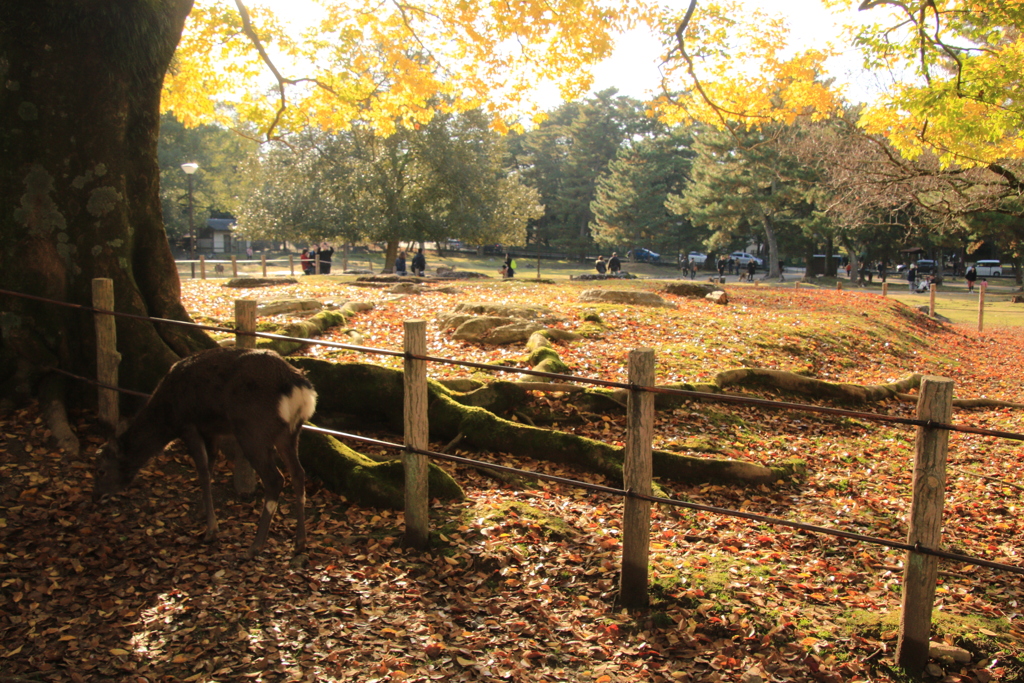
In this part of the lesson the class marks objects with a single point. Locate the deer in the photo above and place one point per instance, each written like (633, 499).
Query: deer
(254, 395)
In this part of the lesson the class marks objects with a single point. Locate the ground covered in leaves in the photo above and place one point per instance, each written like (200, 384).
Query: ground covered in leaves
(521, 581)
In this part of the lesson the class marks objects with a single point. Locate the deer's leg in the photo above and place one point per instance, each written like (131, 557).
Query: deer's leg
(260, 456)
(288, 449)
(212, 452)
(197, 448)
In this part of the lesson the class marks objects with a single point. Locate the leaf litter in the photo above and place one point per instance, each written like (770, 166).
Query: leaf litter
(520, 583)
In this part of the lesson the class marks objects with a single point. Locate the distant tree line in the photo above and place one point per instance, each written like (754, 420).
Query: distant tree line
(595, 176)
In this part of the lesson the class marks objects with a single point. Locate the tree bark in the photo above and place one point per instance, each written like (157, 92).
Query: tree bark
(390, 254)
(370, 392)
(79, 122)
(312, 327)
(854, 258)
(773, 246)
(360, 479)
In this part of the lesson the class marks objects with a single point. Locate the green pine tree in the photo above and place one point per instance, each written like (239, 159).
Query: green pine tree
(744, 179)
(629, 207)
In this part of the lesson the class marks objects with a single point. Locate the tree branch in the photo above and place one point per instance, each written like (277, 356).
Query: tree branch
(250, 32)
(681, 46)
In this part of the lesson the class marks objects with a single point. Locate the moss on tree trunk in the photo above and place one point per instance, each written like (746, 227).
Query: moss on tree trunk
(79, 121)
(306, 329)
(362, 480)
(373, 392)
(761, 378)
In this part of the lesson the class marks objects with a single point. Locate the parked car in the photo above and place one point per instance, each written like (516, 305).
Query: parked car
(926, 266)
(645, 255)
(744, 258)
(989, 268)
(698, 257)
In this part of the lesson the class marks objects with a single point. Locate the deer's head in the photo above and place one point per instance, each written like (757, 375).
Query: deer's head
(110, 476)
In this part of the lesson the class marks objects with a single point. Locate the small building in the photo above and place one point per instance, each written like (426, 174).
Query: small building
(218, 237)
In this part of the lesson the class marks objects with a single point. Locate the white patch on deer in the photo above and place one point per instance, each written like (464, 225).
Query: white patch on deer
(271, 506)
(297, 406)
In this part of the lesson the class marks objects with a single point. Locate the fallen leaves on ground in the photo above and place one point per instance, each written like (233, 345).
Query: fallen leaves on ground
(520, 584)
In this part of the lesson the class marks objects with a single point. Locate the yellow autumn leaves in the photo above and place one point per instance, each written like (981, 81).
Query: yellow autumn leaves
(953, 66)
(392, 63)
(734, 64)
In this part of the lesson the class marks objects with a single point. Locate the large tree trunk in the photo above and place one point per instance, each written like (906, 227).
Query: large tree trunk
(79, 122)
(830, 262)
(391, 253)
(773, 246)
(854, 257)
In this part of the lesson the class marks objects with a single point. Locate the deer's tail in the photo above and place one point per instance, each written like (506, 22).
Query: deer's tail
(297, 405)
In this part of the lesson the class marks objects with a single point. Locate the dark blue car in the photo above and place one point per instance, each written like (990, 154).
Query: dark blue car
(645, 255)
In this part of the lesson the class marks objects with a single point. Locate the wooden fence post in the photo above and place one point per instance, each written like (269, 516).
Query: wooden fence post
(107, 357)
(931, 300)
(839, 285)
(291, 263)
(244, 476)
(935, 404)
(981, 306)
(636, 475)
(417, 519)
(202, 267)
(234, 266)
(885, 289)
(245, 321)
(263, 258)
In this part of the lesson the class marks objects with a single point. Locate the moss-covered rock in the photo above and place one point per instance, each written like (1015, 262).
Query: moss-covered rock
(542, 355)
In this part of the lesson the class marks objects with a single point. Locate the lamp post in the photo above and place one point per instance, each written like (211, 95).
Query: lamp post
(190, 168)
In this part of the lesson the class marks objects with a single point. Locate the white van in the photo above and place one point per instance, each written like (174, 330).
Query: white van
(989, 268)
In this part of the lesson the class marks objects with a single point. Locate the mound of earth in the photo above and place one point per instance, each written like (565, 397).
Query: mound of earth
(619, 296)
(497, 324)
(451, 274)
(693, 290)
(390, 278)
(246, 282)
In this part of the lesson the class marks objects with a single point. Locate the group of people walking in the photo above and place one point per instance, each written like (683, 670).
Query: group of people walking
(317, 260)
(924, 284)
(689, 266)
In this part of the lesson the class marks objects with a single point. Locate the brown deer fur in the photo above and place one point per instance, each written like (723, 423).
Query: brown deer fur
(256, 396)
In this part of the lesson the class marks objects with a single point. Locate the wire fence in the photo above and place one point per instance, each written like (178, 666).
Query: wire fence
(629, 493)
(196, 268)
(565, 378)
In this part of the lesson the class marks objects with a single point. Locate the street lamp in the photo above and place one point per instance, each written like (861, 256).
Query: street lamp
(190, 168)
